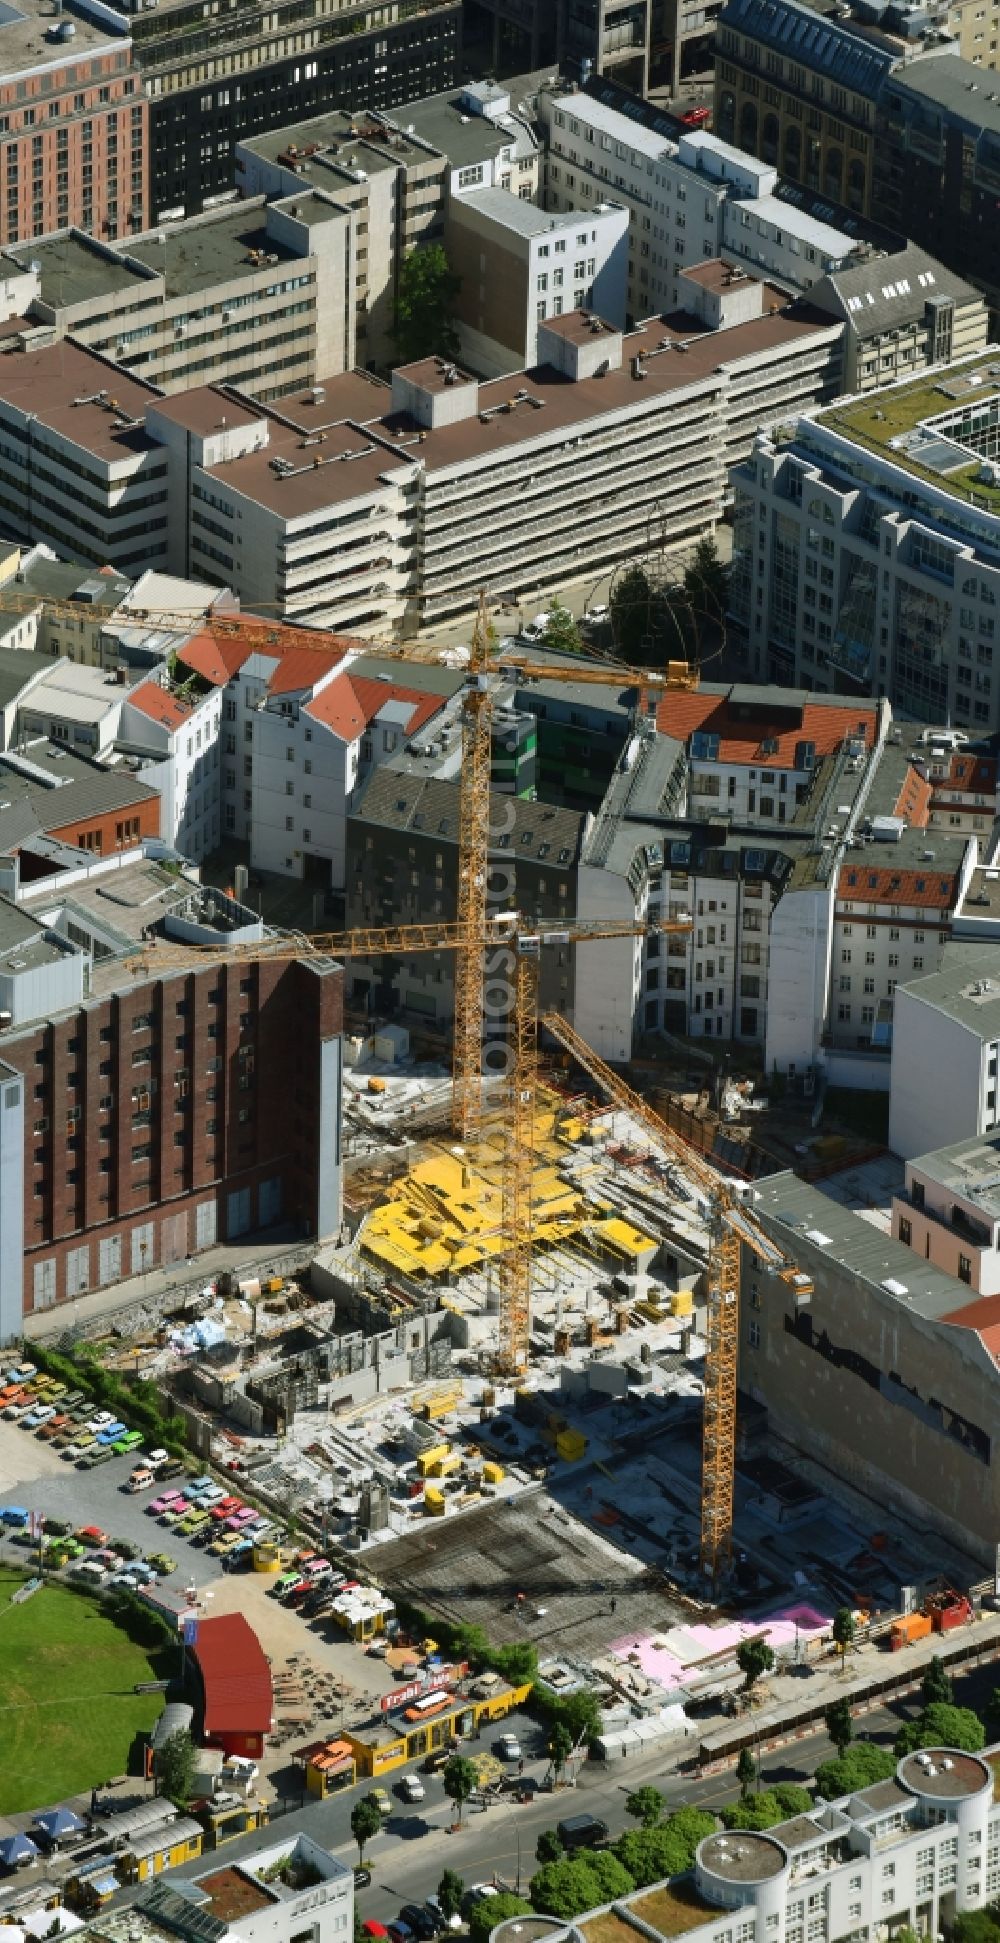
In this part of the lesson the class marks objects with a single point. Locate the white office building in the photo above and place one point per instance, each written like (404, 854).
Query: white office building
(687, 200)
(909, 1851)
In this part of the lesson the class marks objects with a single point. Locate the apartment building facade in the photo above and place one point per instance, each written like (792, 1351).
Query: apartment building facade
(255, 297)
(402, 867)
(864, 548)
(937, 162)
(519, 265)
(909, 1851)
(74, 125)
(803, 96)
(353, 506)
(156, 1114)
(210, 88)
(390, 188)
(901, 314)
(688, 199)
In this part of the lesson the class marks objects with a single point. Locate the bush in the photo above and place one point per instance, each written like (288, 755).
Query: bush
(484, 1915)
(583, 1881)
(942, 1726)
(139, 1402)
(770, 1806)
(858, 1767)
(668, 1849)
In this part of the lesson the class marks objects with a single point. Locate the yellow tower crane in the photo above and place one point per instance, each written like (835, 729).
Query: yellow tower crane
(474, 799)
(730, 1222)
(515, 950)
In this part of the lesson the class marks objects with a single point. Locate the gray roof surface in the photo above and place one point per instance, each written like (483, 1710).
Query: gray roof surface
(24, 41)
(439, 120)
(338, 145)
(957, 86)
(970, 1168)
(73, 269)
(430, 807)
(966, 964)
(63, 579)
(815, 1228)
(29, 808)
(17, 665)
(871, 296)
(197, 255)
(524, 218)
(430, 677)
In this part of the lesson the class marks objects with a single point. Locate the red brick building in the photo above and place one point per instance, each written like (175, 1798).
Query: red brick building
(181, 1111)
(74, 128)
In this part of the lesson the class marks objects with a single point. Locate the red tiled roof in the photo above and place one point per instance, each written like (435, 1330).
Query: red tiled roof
(152, 700)
(978, 773)
(350, 703)
(931, 889)
(914, 799)
(982, 1315)
(740, 741)
(215, 657)
(300, 668)
(235, 1676)
(219, 649)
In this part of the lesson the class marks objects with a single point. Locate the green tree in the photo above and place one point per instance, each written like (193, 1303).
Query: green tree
(646, 1805)
(548, 1847)
(976, 1926)
(366, 1820)
(580, 1714)
(839, 1725)
(650, 1854)
(450, 1891)
(746, 1771)
(560, 1746)
(564, 1889)
(561, 632)
(706, 579)
(492, 1910)
(175, 1766)
(517, 1663)
(936, 1689)
(843, 1632)
(459, 1778)
(942, 1726)
(770, 1806)
(858, 1767)
(425, 296)
(754, 1657)
(690, 1826)
(631, 606)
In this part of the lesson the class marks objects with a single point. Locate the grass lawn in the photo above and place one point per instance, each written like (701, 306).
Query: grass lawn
(68, 1715)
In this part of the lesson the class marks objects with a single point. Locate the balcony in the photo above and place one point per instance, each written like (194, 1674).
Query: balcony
(957, 1222)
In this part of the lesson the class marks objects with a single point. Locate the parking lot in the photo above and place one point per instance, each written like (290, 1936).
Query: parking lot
(341, 1683)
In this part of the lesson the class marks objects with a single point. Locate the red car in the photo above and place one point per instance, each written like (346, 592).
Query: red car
(225, 1509)
(694, 117)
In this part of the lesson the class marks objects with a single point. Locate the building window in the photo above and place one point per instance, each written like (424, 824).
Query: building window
(905, 1230)
(965, 1268)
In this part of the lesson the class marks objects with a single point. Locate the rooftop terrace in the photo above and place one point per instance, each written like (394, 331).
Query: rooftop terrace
(927, 427)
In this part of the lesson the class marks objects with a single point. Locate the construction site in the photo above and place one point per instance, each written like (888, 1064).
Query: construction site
(504, 1394)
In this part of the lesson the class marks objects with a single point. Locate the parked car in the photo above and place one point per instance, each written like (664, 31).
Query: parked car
(162, 1563)
(418, 1921)
(381, 1800)
(362, 1878)
(411, 1788)
(509, 1747)
(92, 1535)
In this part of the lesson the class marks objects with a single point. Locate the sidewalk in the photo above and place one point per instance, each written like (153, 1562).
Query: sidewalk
(871, 1677)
